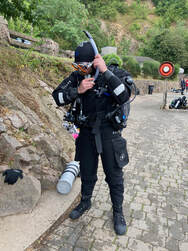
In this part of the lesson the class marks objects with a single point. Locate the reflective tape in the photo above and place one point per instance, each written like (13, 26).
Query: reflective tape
(119, 89)
(60, 96)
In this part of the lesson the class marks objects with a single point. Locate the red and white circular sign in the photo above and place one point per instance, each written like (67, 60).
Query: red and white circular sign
(166, 69)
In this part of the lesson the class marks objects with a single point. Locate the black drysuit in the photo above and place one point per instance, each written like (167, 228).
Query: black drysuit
(97, 136)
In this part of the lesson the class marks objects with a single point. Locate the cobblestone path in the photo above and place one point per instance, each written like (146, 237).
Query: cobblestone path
(156, 189)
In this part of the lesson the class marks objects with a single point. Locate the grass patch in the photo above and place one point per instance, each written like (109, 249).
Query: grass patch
(21, 69)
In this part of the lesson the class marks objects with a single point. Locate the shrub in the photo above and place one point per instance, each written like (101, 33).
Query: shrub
(113, 58)
(132, 66)
(155, 67)
(139, 9)
(125, 58)
(124, 46)
(20, 25)
(150, 68)
(121, 7)
(134, 28)
(107, 12)
(176, 71)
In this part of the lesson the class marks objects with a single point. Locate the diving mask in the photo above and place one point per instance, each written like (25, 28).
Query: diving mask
(83, 68)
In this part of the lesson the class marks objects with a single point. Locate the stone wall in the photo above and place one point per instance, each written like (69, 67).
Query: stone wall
(108, 50)
(159, 85)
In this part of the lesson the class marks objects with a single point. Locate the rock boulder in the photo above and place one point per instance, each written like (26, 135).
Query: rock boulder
(4, 32)
(21, 197)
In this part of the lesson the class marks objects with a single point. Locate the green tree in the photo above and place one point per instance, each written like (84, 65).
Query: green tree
(172, 8)
(62, 19)
(16, 8)
(65, 22)
(168, 45)
(105, 9)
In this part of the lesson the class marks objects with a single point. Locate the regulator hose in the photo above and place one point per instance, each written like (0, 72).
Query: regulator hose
(130, 81)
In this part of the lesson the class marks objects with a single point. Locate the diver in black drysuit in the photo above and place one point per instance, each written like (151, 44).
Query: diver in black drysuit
(92, 101)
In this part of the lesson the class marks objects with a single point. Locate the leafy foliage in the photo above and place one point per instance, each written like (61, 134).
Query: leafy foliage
(105, 9)
(150, 68)
(134, 28)
(17, 8)
(176, 71)
(101, 38)
(172, 9)
(139, 10)
(132, 66)
(21, 25)
(112, 59)
(124, 47)
(168, 45)
(106, 12)
(65, 19)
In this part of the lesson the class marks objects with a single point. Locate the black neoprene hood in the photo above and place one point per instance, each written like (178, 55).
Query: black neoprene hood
(84, 53)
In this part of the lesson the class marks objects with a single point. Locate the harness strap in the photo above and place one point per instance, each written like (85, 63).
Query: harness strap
(96, 131)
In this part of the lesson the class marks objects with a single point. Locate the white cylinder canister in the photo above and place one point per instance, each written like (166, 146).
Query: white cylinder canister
(68, 177)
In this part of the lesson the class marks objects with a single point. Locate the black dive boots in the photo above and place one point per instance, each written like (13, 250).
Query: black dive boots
(84, 205)
(119, 223)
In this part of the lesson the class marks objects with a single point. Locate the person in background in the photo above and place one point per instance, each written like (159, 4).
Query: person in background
(182, 84)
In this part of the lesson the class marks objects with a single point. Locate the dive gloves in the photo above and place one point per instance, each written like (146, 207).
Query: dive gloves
(12, 175)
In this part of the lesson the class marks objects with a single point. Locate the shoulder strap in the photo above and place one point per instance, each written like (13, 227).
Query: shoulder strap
(112, 67)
